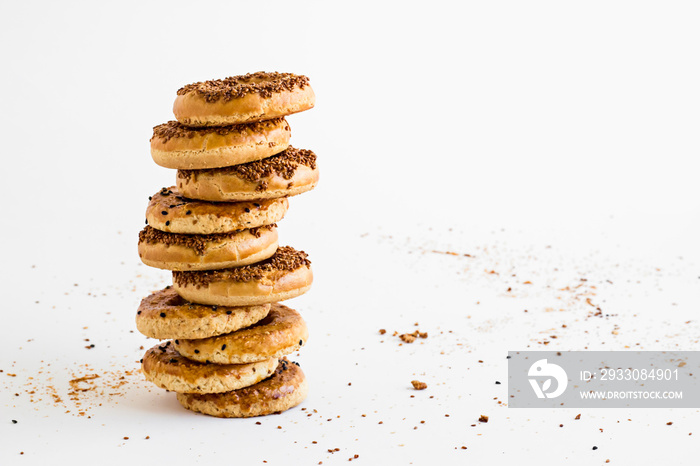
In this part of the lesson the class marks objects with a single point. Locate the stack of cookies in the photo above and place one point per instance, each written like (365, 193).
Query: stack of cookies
(227, 333)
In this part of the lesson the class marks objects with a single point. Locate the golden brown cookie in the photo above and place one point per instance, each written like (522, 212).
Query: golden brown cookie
(166, 368)
(289, 173)
(164, 314)
(176, 251)
(285, 389)
(283, 276)
(282, 332)
(174, 145)
(243, 99)
(169, 211)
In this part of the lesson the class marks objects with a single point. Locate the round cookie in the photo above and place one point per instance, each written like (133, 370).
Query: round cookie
(174, 145)
(288, 173)
(175, 251)
(284, 390)
(166, 368)
(164, 314)
(282, 332)
(243, 99)
(170, 212)
(285, 275)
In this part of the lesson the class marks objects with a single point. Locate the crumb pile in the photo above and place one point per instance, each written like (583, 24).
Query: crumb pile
(267, 383)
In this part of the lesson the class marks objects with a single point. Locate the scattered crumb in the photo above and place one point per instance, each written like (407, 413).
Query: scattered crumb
(411, 337)
(418, 385)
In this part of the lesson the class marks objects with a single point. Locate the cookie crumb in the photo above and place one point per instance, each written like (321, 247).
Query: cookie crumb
(382, 331)
(578, 416)
(418, 385)
(483, 418)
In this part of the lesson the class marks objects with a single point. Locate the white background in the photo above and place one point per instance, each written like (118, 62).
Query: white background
(551, 141)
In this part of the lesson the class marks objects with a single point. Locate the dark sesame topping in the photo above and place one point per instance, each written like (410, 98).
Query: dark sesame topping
(177, 342)
(283, 164)
(197, 242)
(196, 351)
(286, 259)
(262, 83)
(162, 314)
(173, 360)
(165, 212)
(301, 342)
(14, 421)
(167, 223)
(176, 130)
(189, 212)
(247, 210)
(229, 312)
(139, 312)
(223, 347)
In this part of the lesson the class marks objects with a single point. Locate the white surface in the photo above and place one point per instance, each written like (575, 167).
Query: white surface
(550, 141)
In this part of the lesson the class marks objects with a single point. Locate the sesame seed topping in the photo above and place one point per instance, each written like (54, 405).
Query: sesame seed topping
(283, 164)
(286, 259)
(176, 130)
(235, 87)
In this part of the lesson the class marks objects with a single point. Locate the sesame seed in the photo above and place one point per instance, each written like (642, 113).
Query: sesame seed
(196, 351)
(164, 212)
(223, 347)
